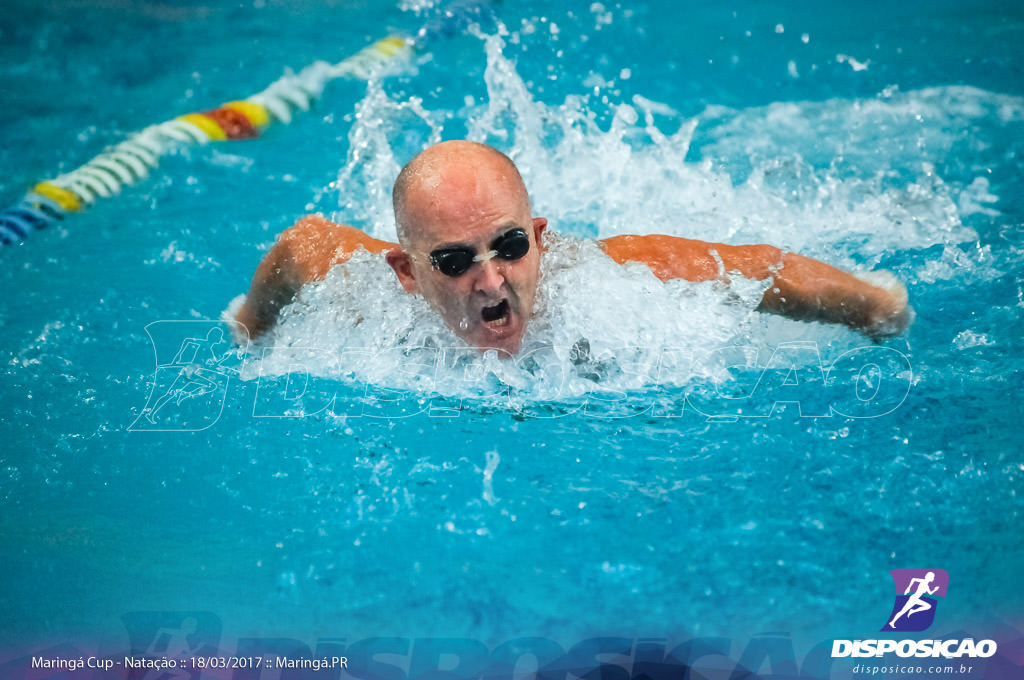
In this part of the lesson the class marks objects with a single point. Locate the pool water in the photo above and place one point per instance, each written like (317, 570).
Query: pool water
(644, 468)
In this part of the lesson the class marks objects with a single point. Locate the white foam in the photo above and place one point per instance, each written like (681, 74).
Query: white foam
(597, 325)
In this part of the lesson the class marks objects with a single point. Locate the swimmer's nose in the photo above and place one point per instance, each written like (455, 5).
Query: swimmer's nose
(489, 276)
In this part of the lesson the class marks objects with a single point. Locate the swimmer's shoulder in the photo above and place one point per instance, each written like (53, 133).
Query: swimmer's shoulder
(668, 257)
(321, 243)
(304, 253)
(320, 231)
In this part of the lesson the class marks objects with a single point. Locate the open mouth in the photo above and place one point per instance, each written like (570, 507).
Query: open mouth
(496, 315)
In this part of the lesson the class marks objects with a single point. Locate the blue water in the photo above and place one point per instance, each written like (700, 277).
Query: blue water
(870, 136)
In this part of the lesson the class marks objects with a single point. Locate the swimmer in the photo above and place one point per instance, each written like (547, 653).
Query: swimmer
(469, 244)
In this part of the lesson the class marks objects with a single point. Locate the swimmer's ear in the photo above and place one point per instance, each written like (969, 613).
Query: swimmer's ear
(539, 225)
(401, 262)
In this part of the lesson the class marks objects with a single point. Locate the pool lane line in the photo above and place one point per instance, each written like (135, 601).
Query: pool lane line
(133, 159)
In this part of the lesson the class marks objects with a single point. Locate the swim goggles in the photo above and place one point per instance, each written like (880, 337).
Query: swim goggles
(456, 261)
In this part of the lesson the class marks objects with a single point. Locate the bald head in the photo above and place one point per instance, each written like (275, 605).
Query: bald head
(465, 202)
(450, 170)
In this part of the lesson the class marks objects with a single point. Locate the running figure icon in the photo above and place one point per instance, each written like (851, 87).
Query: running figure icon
(195, 357)
(917, 592)
(916, 602)
(195, 362)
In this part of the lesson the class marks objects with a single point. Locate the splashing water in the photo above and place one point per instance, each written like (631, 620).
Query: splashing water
(806, 176)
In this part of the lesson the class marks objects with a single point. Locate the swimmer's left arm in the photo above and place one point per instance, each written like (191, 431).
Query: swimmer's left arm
(802, 288)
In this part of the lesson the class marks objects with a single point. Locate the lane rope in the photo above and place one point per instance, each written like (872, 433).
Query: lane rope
(133, 160)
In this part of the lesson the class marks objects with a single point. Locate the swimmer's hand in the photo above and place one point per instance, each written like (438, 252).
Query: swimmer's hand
(874, 304)
(891, 314)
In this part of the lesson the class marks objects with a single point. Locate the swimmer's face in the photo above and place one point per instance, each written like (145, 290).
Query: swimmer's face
(472, 202)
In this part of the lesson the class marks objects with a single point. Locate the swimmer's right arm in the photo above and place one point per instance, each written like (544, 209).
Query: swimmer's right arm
(303, 253)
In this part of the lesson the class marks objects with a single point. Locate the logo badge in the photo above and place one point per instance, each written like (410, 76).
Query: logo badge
(916, 593)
